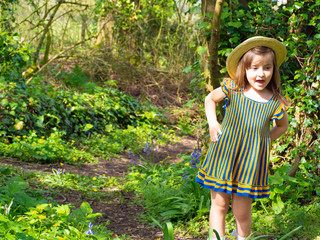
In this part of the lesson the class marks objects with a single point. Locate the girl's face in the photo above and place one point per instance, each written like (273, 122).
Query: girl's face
(260, 72)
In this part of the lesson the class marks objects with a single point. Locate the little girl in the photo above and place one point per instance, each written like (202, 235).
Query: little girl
(236, 165)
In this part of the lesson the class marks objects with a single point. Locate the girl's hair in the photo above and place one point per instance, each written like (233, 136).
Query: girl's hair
(245, 62)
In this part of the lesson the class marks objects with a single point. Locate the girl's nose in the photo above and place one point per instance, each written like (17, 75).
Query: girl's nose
(260, 72)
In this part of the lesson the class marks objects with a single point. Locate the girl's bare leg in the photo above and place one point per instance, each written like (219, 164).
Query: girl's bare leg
(241, 207)
(219, 207)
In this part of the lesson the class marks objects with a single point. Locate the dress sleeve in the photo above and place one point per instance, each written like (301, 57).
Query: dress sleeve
(278, 113)
(226, 87)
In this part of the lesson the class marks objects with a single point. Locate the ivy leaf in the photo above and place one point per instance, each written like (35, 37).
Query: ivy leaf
(298, 5)
(204, 25)
(235, 24)
(87, 127)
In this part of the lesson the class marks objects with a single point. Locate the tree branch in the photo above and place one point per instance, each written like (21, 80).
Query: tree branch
(35, 57)
(26, 19)
(63, 51)
(79, 4)
(295, 166)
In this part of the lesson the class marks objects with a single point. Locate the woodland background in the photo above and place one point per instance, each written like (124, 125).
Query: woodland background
(82, 81)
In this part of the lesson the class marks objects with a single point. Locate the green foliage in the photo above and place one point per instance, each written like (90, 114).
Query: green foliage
(155, 29)
(180, 196)
(28, 216)
(296, 24)
(14, 56)
(7, 17)
(12, 192)
(34, 148)
(91, 186)
(170, 194)
(303, 219)
(79, 121)
(41, 123)
(42, 108)
(76, 79)
(216, 234)
(118, 140)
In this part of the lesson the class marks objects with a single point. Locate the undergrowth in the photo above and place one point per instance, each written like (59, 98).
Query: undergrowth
(42, 124)
(170, 194)
(25, 214)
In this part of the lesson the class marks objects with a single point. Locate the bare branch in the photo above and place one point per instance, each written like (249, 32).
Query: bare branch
(79, 4)
(63, 51)
(26, 19)
(35, 57)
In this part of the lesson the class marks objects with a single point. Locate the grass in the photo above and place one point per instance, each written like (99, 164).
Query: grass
(26, 214)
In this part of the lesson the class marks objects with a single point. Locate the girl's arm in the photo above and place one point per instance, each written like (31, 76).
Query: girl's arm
(280, 128)
(210, 106)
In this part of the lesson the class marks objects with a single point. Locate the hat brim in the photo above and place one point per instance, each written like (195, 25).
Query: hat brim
(236, 54)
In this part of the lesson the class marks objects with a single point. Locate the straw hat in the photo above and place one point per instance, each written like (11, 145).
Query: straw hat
(236, 54)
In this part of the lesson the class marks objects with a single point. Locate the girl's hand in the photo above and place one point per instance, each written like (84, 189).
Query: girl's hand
(215, 131)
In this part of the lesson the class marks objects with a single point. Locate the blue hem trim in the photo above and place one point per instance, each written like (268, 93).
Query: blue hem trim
(198, 180)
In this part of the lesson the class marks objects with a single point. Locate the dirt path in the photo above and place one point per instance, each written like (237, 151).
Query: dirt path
(120, 209)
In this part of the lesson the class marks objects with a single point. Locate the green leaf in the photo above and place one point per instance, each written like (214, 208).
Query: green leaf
(235, 24)
(187, 69)
(87, 127)
(201, 50)
(17, 184)
(277, 205)
(204, 25)
(278, 190)
(4, 102)
(168, 231)
(211, 231)
(298, 5)
(290, 233)
(39, 121)
(276, 179)
(63, 209)
(86, 208)
(260, 237)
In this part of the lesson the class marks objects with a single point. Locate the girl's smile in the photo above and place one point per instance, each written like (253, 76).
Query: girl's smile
(260, 72)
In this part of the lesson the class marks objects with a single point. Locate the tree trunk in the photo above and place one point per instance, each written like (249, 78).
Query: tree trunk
(207, 6)
(213, 8)
(105, 36)
(48, 47)
(211, 11)
(214, 45)
(84, 19)
(207, 9)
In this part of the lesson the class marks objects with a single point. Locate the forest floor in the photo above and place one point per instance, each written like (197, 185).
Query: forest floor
(120, 210)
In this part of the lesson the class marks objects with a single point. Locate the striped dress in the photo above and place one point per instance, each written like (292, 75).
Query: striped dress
(238, 161)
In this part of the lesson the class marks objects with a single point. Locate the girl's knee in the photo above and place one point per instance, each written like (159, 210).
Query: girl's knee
(220, 201)
(242, 216)
(241, 207)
